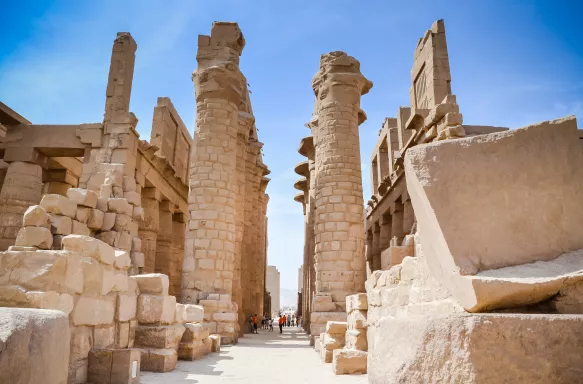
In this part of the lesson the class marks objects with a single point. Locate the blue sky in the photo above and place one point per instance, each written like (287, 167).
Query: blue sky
(512, 62)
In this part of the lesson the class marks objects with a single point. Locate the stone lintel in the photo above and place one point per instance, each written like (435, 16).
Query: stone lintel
(50, 139)
(27, 154)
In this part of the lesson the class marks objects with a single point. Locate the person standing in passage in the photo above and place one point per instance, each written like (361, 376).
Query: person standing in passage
(255, 324)
(284, 320)
(281, 320)
(251, 323)
(299, 321)
(270, 323)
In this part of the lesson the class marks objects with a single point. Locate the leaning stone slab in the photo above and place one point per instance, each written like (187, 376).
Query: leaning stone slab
(59, 205)
(496, 201)
(89, 247)
(545, 348)
(28, 341)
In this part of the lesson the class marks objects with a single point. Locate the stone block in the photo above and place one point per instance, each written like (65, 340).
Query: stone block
(356, 302)
(93, 311)
(122, 336)
(39, 237)
(537, 348)
(180, 315)
(349, 362)
(114, 366)
(122, 223)
(43, 300)
(126, 307)
(120, 206)
(159, 336)
(84, 197)
(215, 343)
(129, 184)
(80, 229)
(95, 219)
(36, 216)
(61, 225)
(324, 306)
(104, 336)
(108, 221)
(158, 360)
(152, 283)
(191, 351)
(156, 309)
(194, 332)
(336, 327)
(324, 317)
(138, 259)
(59, 205)
(29, 339)
(332, 342)
(89, 247)
(136, 244)
(133, 198)
(122, 259)
(83, 214)
(357, 320)
(471, 239)
(123, 241)
(356, 339)
(81, 342)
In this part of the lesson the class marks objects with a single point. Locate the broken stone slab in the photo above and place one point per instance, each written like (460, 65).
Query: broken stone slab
(158, 360)
(159, 336)
(470, 225)
(152, 283)
(95, 219)
(349, 362)
(126, 307)
(83, 214)
(538, 348)
(82, 197)
(154, 309)
(35, 216)
(357, 320)
(59, 205)
(29, 339)
(194, 332)
(39, 237)
(114, 366)
(89, 247)
(80, 228)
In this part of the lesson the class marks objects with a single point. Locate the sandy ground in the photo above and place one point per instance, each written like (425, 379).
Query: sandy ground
(264, 358)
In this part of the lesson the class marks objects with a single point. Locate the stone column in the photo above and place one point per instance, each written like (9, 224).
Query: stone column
(369, 252)
(164, 241)
(207, 274)
(339, 221)
(22, 188)
(262, 251)
(376, 247)
(149, 226)
(246, 122)
(397, 232)
(385, 234)
(177, 255)
(408, 217)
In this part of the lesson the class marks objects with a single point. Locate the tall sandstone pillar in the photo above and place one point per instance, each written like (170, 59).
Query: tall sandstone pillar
(208, 266)
(149, 226)
(339, 222)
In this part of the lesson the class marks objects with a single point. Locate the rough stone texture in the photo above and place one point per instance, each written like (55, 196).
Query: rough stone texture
(152, 284)
(59, 205)
(537, 349)
(35, 216)
(456, 232)
(114, 366)
(28, 341)
(159, 336)
(349, 362)
(156, 309)
(39, 237)
(158, 360)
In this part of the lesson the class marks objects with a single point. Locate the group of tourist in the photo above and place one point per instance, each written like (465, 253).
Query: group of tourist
(288, 321)
(267, 322)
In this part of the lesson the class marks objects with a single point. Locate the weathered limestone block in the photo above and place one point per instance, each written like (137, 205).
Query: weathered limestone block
(126, 307)
(152, 283)
(349, 362)
(122, 259)
(138, 259)
(104, 336)
(84, 197)
(43, 300)
(80, 228)
(108, 221)
(357, 320)
(120, 206)
(29, 339)
(194, 313)
(93, 311)
(59, 205)
(192, 350)
(156, 309)
(95, 219)
(89, 247)
(336, 328)
(39, 237)
(83, 214)
(158, 360)
(61, 225)
(356, 339)
(488, 255)
(356, 302)
(159, 336)
(114, 366)
(215, 343)
(458, 348)
(35, 216)
(194, 332)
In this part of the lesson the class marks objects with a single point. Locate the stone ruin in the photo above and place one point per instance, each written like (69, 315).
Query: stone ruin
(126, 255)
(473, 243)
